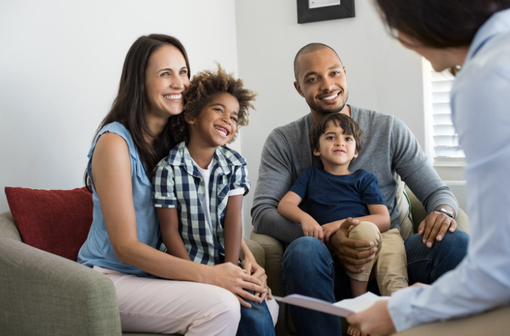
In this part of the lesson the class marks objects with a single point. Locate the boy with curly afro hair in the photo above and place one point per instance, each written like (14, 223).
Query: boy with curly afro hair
(199, 187)
(204, 87)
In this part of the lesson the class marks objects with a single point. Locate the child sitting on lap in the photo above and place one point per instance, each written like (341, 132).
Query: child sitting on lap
(332, 194)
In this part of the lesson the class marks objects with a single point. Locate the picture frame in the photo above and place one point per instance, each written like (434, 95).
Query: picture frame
(322, 10)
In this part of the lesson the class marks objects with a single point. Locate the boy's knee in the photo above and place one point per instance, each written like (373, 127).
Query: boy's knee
(366, 231)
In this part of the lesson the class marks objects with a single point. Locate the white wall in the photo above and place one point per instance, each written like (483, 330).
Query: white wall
(60, 64)
(381, 74)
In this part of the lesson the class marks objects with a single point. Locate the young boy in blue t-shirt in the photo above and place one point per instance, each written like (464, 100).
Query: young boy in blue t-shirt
(331, 193)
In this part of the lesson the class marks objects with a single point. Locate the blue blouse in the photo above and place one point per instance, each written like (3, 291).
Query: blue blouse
(97, 249)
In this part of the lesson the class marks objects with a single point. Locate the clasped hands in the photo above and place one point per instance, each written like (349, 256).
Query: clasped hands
(252, 277)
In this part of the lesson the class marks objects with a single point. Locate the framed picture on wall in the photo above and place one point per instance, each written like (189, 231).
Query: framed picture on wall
(322, 10)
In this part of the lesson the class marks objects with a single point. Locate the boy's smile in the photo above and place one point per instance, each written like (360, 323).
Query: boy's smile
(216, 124)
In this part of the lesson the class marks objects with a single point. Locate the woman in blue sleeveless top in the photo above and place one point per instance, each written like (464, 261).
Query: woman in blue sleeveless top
(123, 242)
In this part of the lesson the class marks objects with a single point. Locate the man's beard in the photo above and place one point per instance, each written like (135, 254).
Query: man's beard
(325, 111)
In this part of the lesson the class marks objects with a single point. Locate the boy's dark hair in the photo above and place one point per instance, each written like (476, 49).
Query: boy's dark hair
(348, 125)
(204, 87)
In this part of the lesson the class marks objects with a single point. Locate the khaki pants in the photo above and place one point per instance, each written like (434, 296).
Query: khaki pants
(390, 261)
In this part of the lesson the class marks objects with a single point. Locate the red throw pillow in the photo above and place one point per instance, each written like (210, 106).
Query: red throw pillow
(56, 221)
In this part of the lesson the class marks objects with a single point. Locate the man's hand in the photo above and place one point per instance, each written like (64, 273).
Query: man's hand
(311, 228)
(435, 226)
(345, 250)
(375, 321)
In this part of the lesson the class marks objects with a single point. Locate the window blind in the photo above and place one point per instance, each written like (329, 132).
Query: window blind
(445, 139)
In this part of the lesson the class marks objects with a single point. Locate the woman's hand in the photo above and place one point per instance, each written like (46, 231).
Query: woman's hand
(375, 321)
(236, 280)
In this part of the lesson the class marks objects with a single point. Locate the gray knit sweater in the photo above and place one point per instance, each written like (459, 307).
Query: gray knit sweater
(389, 147)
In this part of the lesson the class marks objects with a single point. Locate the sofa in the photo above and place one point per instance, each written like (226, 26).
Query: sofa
(412, 213)
(43, 291)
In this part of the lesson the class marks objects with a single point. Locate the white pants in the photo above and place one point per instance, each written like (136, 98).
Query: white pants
(168, 306)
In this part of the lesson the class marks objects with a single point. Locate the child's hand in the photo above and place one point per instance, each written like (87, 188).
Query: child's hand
(251, 267)
(312, 229)
(330, 228)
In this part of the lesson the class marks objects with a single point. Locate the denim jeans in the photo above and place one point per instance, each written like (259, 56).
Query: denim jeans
(309, 269)
(425, 264)
(256, 321)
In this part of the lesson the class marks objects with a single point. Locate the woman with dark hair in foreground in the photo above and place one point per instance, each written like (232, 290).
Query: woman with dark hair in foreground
(473, 36)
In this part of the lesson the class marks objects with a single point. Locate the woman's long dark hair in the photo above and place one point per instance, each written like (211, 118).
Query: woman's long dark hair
(129, 106)
(438, 23)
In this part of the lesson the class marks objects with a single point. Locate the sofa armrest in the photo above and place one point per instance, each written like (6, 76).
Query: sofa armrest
(51, 295)
(463, 221)
(273, 261)
(257, 251)
(8, 228)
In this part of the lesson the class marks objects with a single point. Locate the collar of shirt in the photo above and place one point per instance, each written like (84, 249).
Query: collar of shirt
(226, 159)
(497, 23)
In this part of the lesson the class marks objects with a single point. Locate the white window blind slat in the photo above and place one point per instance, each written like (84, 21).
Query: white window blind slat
(445, 139)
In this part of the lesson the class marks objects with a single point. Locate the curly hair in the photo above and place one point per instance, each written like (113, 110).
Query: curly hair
(204, 88)
(348, 125)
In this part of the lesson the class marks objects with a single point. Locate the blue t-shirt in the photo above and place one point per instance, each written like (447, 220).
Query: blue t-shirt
(328, 198)
(97, 249)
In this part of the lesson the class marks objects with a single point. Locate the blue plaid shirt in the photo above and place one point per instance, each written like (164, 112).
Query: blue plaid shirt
(178, 184)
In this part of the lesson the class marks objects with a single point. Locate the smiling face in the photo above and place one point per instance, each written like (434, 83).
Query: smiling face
(166, 77)
(321, 80)
(216, 125)
(336, 149)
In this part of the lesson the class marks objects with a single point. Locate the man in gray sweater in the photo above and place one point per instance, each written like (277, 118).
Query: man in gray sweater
(389, 148)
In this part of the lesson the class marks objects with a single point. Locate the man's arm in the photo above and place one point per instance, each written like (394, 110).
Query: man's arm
(419, 175)
(275, 179)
